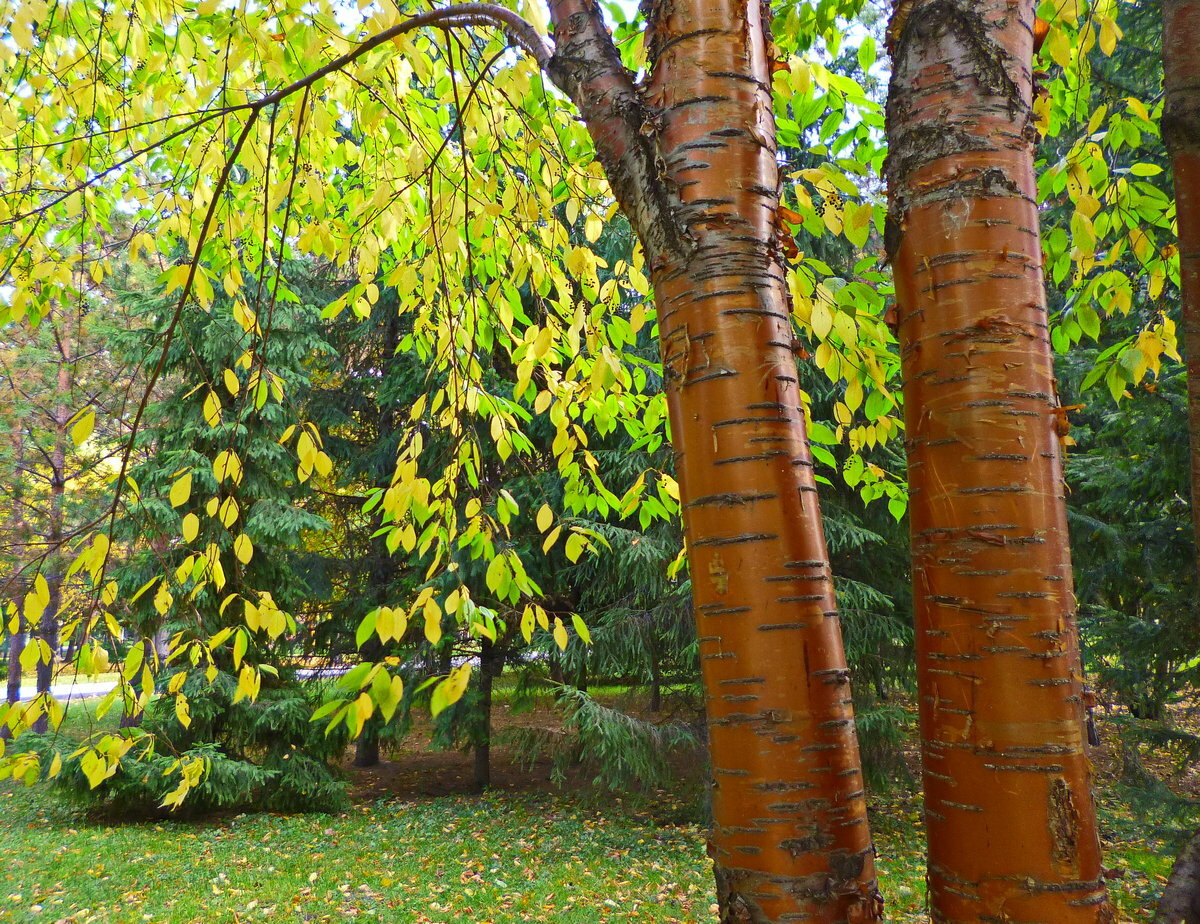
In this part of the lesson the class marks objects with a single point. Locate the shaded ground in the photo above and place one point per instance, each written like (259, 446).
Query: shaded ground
(1141, 831)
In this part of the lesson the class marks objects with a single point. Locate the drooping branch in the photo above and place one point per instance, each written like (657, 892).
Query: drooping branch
(521, 32)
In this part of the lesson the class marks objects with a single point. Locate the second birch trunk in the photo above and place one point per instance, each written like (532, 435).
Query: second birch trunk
(1008, 808)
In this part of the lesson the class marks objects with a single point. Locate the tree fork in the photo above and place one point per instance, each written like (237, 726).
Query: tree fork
(691, 158)
(1009, 814)
(1181, 134)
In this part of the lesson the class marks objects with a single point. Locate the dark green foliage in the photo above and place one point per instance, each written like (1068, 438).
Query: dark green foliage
(621, 751)
(263, 755)
(1133, 549)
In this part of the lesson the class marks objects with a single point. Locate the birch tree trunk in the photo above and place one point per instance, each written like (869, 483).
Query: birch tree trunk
(1009, 814)
(1181, 133)
(691, 157)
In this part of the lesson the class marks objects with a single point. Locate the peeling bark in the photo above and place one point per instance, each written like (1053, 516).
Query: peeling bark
(1011, 827)
(1181, 133)
(691, 157)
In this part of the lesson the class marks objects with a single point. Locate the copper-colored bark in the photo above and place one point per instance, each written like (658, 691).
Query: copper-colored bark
(1181, 132)
(691, 157)
(1010, 821)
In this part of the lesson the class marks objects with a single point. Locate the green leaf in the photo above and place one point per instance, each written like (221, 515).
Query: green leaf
(581, 628)
(366, 628)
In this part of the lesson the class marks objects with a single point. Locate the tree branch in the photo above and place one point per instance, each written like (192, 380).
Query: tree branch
(587, 67)
(521, 32)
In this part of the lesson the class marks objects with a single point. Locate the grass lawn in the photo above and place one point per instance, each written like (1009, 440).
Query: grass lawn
(525, 853)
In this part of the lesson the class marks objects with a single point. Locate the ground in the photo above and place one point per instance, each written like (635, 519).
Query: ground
(417, 847)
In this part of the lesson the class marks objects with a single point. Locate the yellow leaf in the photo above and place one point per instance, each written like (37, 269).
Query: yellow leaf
(433, 621)
(231, 381)
(228, 512)
(821, 319)
(183, 711)
(450, 690)
(243, 549)
(191, 527)
(227, 465)
(545, 516)
(248, 685)
(212, 409)
(560, 633)
(83, 426)
(385, 621)
(1109, 33)
(181, 490)
(37, 600)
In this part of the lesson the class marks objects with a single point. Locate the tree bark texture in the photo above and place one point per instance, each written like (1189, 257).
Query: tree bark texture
(1009, 813)
(691, 156)
(1181, 134)
(1180, 902)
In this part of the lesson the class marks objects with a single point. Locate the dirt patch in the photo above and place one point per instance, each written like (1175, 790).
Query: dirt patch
(413, 769)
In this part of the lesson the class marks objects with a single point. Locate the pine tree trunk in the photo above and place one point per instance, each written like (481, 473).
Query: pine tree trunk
(1181, 133)
(366, 748)
(482, 773)
(1009, 814)
(692, 160)
(47, 629)
(20, 532)
(655, 676)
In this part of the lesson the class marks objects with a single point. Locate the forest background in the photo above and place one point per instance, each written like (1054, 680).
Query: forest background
(399, 407)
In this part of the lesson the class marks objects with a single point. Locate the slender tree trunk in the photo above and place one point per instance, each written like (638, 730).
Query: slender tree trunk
(48, 628)
(366, 748)
(1181, 133)
(692, 159)
(1009, 814)
(655, 676)
(482, 776)
(161, 644)
(16, 644)
(20, 532)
